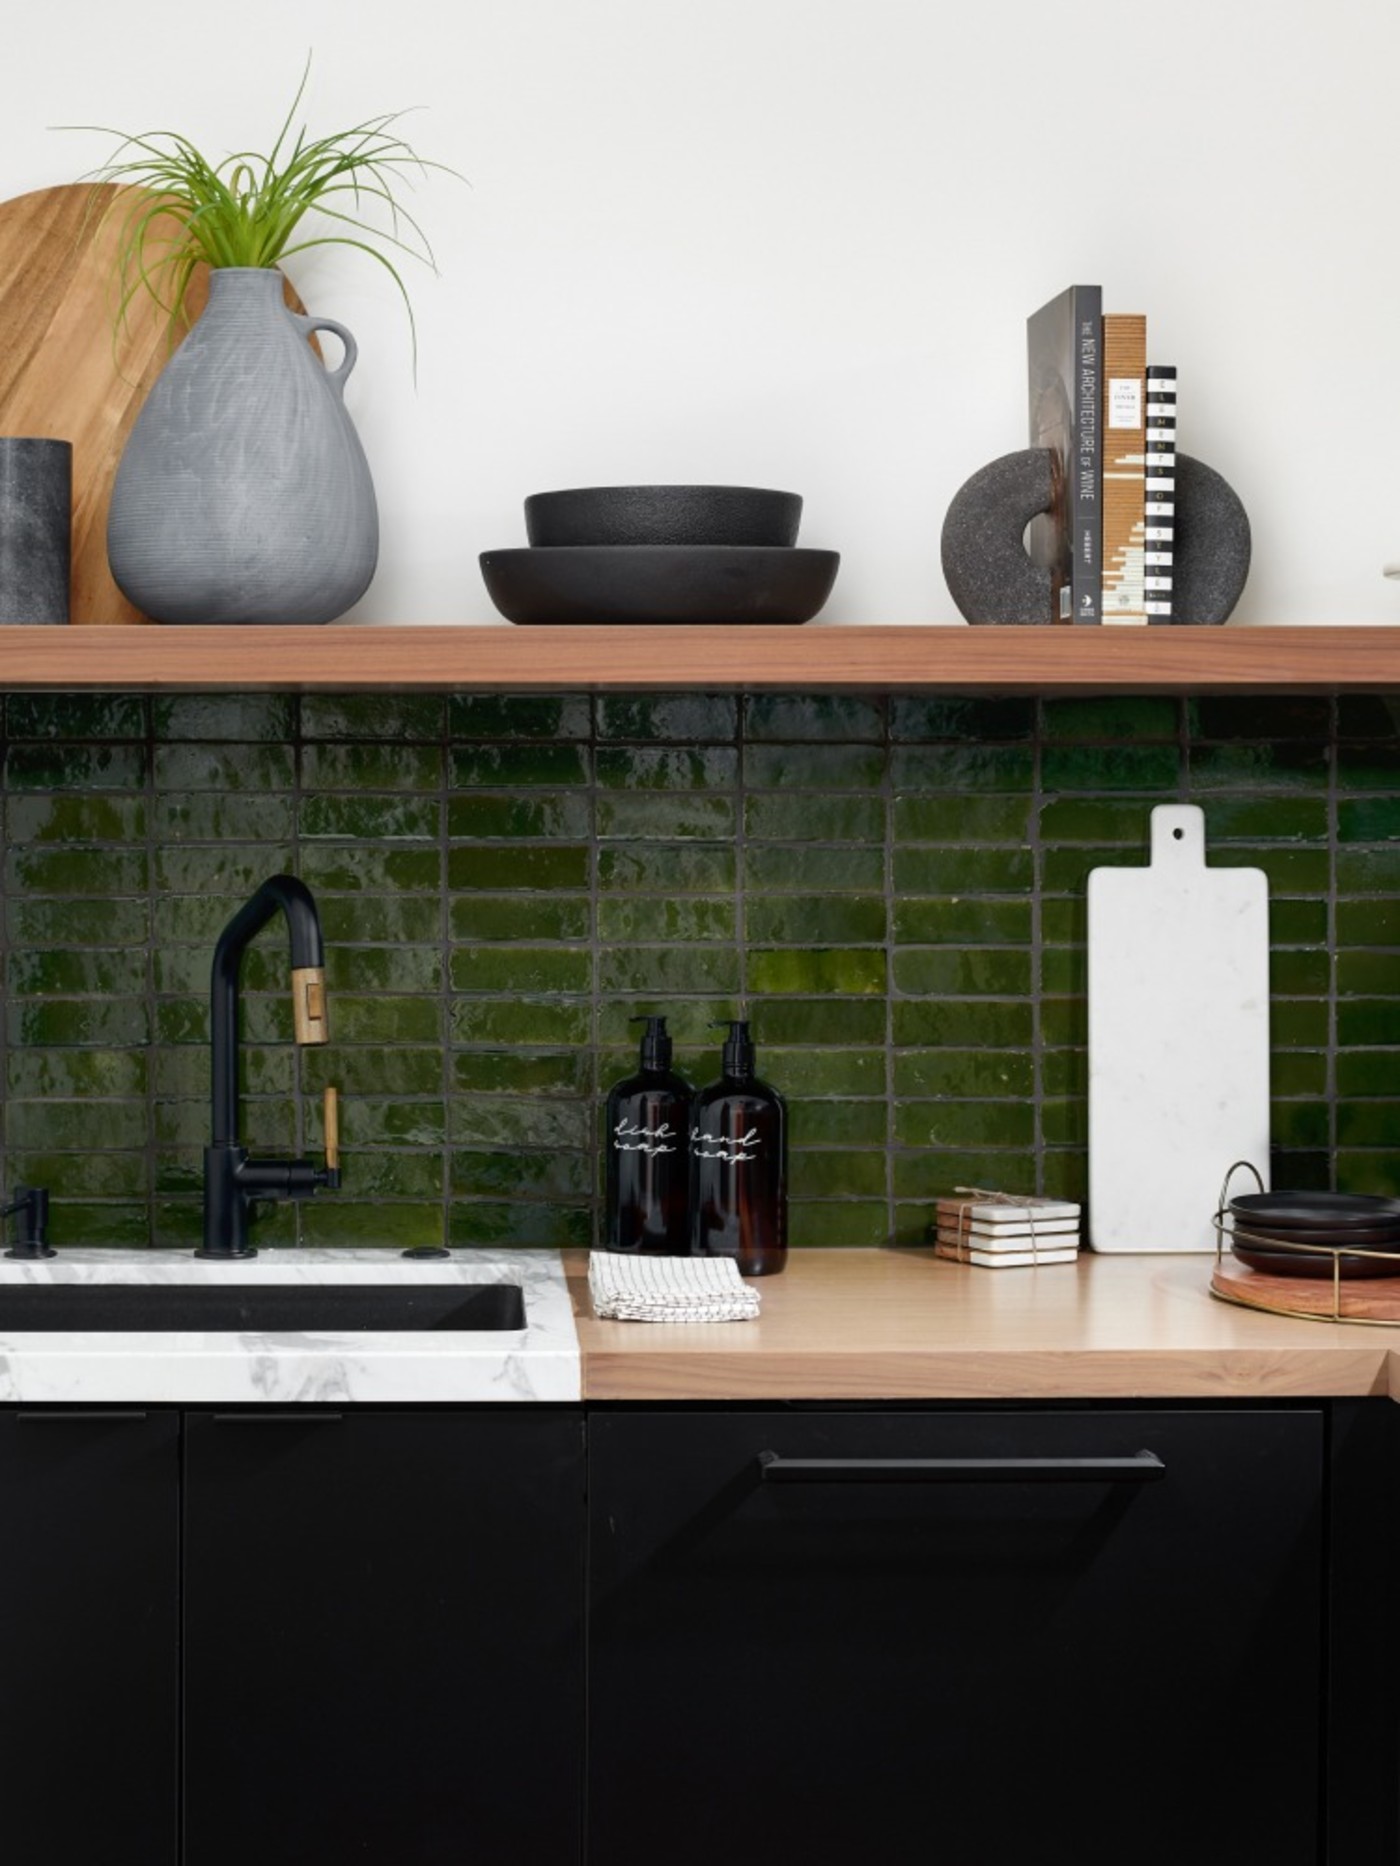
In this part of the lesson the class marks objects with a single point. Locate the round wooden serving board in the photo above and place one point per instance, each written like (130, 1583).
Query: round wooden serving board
(1372, 1299)
(64, 375)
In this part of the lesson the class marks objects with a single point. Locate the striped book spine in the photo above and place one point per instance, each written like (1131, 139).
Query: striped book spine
(1124, 467)
(1160, 530)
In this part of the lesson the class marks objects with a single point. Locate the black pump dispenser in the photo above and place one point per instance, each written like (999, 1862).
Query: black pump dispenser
(738, 1164)
(648, 1166)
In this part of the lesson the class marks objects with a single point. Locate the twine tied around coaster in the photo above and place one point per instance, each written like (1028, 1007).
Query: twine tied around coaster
(978, 1195)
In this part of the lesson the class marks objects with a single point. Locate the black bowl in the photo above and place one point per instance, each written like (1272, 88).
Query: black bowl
(648, 584)
(663, 515)
(1309, 1263)
(1315, 1211)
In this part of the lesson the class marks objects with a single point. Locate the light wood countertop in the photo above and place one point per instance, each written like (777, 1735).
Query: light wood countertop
(902, 1324)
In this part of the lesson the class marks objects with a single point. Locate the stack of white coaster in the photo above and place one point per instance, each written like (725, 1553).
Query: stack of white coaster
(669, 1289)
(1000, 1231)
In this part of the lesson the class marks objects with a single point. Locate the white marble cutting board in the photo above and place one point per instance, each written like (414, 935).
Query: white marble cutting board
(1178, 1039)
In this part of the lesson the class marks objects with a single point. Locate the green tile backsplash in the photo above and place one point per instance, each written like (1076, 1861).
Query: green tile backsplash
(894, 889)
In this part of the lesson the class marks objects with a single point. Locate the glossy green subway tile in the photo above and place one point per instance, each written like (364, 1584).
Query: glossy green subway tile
(525, 1021)
(210, 816)
(206, 717)
(813, 716)
(826, 1174)
(1299, 974)
(973, 1075)
(963, 871)
(841, 1122)
(960, 717)
(522, 1072)
(364, 868)
(83, 1175)
(75, 820)
(1302, 872)
(365, 1071)
(668, 767)
(1259, 716)
(1265, 819)
(384, 1121)
(1113, 719)
(76, 922)
(956, 770)
(1110, 768)
(813, 767)
(1368, 1021)
(517, 868)
(965, 1124)
(269, 1124)
(1369, 923)
(779, 1021)
(1064, 921)
(1298, 923)
(384, 968)
(963, 972)
(662, 918)
(232, 870)
(368, 818)
(479, 1172)
(1372, 765)
(933, 1174)
(406, 1175)
(522, 969)
(1067, 871)
(520, 917)
(359, 1019)
(525, 766)
(1367, 1071)
(1368, 819)
(365, 918)
(1296, 1124)
(501, 1224)
(961, 819)
(1370, 974)
(842, 970)
(1377, 1173)
(672, 868)
(1064, 1022)
(397, 716)
(85, 1126)
(103, 1023)
(199, 918)
(1065, 1175)
(1107, 821)
(1296, 1073)
(1368, 715)
(1064, 971)
(109, 1074)
(1301, 1172)
(521, 1121)
(1299, 1023)
(90, 971)
(666, 969)
(805, 919)
(963, 922)
(356, 768)
(182, 1071)
(650, 716)
(225, 768)
(1064, 1073)
(649, 816)
(1368, 871)
(75, 716)
(1251, 767)
(46, 767)
(77, 1223)
(1365, 1124)
(770, 867)
(180, 1021)
(383, 1225)
(518, 716)
(788, 817)
(691, 1023)
(962, 1023)
(838, 1224)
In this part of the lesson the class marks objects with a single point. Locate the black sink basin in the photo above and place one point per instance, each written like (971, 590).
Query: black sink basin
(259, 1308)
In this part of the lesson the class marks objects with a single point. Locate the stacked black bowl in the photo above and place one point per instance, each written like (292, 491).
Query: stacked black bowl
(1317, 1233)
(660, 554)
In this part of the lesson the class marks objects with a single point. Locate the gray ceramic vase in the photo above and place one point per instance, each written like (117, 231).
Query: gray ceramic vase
(244, 494)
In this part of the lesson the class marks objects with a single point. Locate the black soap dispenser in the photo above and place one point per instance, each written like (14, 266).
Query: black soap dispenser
(648, 1171)
(738, 1165)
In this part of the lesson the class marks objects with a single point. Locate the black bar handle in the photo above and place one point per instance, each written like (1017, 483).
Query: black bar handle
(1143, 1467)
(104, 1416)
(278, 1418)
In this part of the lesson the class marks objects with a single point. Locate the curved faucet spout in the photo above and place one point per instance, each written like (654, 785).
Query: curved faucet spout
(294, 899)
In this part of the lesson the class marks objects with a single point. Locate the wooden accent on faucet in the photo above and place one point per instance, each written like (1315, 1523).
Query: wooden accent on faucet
(330, 1122)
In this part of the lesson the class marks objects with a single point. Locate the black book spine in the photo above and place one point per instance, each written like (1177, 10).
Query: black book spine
(1086, 458)
(1160, 530)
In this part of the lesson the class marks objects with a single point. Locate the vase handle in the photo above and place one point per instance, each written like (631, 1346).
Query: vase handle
(309, 327)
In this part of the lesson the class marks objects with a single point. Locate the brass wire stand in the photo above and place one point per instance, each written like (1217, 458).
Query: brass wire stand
(1346, 1295)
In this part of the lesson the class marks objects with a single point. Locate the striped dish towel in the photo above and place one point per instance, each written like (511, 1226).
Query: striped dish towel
(669, 1289)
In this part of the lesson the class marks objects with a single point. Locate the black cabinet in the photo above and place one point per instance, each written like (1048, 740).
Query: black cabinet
(382, 1637)
(889, 1636)
(89, 1630)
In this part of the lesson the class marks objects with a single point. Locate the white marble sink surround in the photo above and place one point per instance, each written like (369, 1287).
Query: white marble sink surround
(537, 1362)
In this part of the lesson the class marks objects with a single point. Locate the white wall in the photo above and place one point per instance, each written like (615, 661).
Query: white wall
(794, 243)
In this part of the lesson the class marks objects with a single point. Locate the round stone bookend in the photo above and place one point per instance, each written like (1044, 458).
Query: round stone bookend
(1212, 545)
(984, 553)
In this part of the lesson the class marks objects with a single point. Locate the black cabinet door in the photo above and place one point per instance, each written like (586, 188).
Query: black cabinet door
(89, 1628)
(383, 1638)
(996, 1663)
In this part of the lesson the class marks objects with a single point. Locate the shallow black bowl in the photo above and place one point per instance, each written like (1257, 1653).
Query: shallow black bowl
(1309, 1263)
(663, 515)
(659, 583)
(1315, 1211)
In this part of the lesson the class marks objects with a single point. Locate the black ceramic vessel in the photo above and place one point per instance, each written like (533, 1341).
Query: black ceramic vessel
(36, 525)
(663, 515)
(659, 583)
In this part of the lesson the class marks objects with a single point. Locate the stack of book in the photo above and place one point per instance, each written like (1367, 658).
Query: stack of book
(1109, 420)
(998, 1231)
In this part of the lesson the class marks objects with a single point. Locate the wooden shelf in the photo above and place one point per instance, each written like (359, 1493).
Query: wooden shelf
(953, 659)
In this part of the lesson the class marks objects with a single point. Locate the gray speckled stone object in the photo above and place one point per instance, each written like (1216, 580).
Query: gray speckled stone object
(992, 579)
(244, 494)
(36, 529)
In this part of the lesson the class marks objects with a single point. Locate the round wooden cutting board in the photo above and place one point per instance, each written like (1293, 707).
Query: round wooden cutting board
(64, 375)
(1372, 1299)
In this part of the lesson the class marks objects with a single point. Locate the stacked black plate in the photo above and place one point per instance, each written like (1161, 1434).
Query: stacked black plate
(1302, 1233)
(660, 554)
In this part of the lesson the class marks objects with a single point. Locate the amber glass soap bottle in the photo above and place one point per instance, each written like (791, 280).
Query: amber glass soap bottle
(738, 1165)
(645, 1126)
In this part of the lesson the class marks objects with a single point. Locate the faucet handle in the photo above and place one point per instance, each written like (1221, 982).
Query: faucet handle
(330, 1105)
